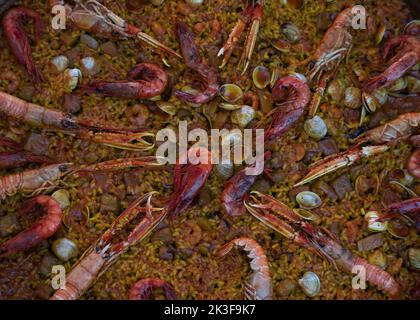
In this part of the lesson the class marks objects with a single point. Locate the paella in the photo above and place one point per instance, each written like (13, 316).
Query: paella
(91, 208)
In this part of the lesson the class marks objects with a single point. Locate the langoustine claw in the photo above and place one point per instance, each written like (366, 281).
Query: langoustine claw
(18, 40)
(192, 59)
(56, 120)
(259, 286)
(267, 210)
(253, 12)
(107, 250)
(407, 57)
(94, 17)
(44, 228)
(143, 289)
(144, 81)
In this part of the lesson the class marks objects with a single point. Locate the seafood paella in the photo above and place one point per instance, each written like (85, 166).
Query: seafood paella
(89, 209)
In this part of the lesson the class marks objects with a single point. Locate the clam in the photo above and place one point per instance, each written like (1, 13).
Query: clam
(64, 249)
(167, 107)
(414, 257)
(336, 90)
(299, 76)
(398, 228)
(192, 91)
(90, 64)
(275, 75)
(316, 128)
(261, 77)
(381, 95)
(353, 98)
(398, 85)
(230, 106)
(310, 284)
(291, 32)
(308, 200)
(374, 225)
(408, 179)
(380, 33)
(412, 28)
(60, 62)
(62, 196)
(413, 84)
(378, 258)
(72, 78)
(282, 45)
(231, 92)
(243, 116)
(370, 103)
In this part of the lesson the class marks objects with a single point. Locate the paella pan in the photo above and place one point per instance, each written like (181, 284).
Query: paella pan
(91, 208)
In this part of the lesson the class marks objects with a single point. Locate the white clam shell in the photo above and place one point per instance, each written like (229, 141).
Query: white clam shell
(60, 62)
(308, 200)
(373, 224)
(316, 128)
(243, 116)
(310, 284)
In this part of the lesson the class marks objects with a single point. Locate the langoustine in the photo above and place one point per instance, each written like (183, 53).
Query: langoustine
(144, 81)
(106, 250)
(369, 144)
(143, 289)
(56, 120)
(18, 40)
(46, 178)
(192, 58)
(407, 57)
(94, 17)
(42, 229)
(259, 286)
(335, 45)
(267, 210)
